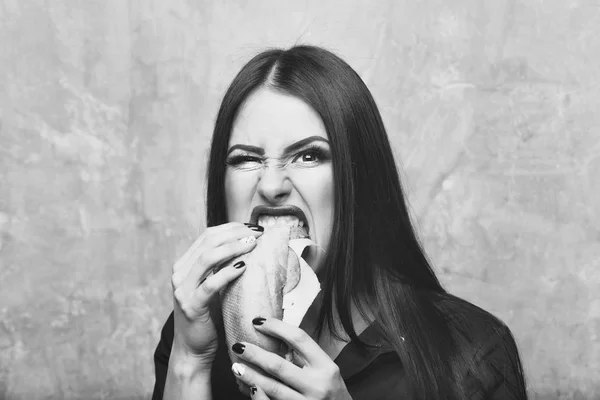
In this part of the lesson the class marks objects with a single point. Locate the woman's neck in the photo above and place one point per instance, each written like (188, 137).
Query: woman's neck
(329, 342)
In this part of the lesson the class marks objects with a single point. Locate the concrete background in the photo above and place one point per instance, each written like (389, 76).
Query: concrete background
(106, 108)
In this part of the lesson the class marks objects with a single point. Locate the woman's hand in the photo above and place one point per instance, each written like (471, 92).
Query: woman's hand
(197, 278)
(318, 379)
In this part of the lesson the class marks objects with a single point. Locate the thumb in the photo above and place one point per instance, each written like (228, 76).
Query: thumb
(257, 393)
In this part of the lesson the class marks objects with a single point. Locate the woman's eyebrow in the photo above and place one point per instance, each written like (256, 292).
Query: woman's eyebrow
(301, 143)
(289, 149)
(252, 149)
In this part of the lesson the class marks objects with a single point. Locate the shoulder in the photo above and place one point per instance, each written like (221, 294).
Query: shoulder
(469, 319)
(475, 330)
(161, 358)
(493, 366)
(163, 349)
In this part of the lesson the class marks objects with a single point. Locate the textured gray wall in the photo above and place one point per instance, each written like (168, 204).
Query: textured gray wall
(106, 110)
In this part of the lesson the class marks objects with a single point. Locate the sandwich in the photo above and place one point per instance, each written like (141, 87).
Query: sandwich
(277, 283)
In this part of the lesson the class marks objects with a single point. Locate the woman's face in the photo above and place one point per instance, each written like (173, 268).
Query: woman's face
(279, 156)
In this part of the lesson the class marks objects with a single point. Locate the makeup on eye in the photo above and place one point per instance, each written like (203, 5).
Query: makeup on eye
(320, 152)
(241, 158)
(239, 153)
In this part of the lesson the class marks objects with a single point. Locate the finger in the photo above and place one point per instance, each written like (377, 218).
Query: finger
(296, 338)
(272, 364)
(273, 389)
(236, 231)
(257, 393)
(213, 237)
(214, 259)
(214, 251)
(215, 230)
(243, 388)
(213, 284)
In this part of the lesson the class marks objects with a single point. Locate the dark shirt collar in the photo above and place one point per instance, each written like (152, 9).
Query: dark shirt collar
(354, 358)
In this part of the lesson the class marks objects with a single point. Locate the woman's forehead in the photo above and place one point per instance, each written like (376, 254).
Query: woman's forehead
(270, 119)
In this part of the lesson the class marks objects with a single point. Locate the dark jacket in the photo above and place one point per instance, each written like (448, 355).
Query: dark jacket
(377, 372)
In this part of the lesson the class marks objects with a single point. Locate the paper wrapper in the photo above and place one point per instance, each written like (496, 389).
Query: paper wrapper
(299, 299)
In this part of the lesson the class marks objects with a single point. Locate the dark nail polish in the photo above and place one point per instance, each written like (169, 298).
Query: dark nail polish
(239, 264)
(253, 390)
(258, 320)
(255, 227)
(238, 348)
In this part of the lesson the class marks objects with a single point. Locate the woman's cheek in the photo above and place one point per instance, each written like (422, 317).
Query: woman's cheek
(320, 177)
(240, 187)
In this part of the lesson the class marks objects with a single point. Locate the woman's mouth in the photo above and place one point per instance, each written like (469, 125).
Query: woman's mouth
(285, 220)
(289, 216)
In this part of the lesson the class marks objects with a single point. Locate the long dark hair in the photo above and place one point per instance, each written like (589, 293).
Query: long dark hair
(382, 261)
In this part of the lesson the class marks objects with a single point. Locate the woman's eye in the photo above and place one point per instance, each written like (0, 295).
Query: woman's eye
(242, 159)
(311, 156)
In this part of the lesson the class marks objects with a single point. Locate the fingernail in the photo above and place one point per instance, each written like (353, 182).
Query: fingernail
(256, 228)
(253, 390)
(202, 281)
(239, 264)
(238, 369)
(238, 348)
(258, 320)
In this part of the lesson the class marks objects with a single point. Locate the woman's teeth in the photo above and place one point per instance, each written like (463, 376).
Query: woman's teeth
(285, 220)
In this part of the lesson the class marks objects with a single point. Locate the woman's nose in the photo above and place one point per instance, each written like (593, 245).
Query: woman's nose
(274, 185)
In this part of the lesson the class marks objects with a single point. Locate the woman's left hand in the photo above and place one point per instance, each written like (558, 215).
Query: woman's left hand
(318, 379)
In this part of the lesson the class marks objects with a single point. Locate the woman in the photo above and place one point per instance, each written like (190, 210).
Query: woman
(299, 128)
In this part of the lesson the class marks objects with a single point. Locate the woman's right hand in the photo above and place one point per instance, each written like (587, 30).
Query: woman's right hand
(195, 282)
